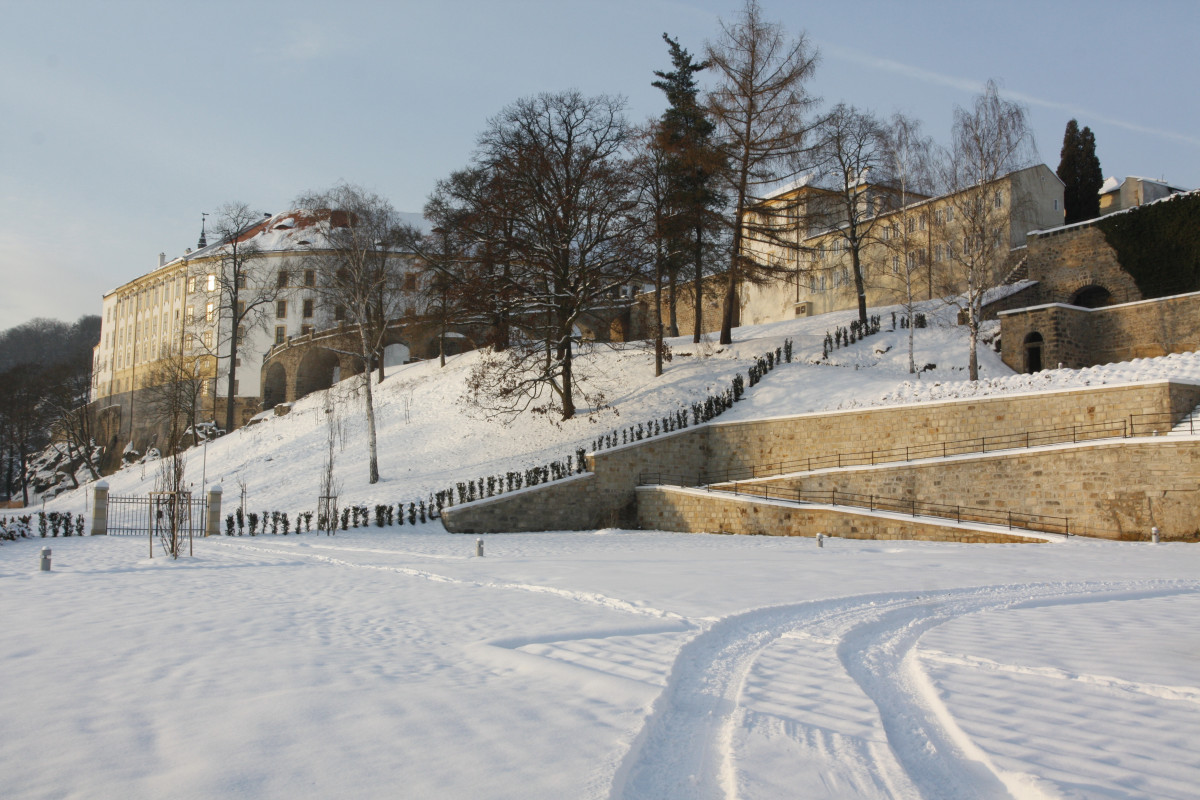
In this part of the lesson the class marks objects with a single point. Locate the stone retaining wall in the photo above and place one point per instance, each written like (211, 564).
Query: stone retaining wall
(1080, 337)
(1116, 490)
(608, 497)
(664, 508)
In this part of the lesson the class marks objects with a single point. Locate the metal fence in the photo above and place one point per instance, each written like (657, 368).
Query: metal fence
(1010, 519)
(137, 516)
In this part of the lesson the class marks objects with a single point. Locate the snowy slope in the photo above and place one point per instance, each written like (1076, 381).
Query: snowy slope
(604, 665)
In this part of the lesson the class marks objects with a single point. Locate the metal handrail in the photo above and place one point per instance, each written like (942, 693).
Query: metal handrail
(1042, 523)
(982, 444)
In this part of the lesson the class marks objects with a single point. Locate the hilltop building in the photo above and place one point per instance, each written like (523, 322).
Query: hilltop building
(169, 324)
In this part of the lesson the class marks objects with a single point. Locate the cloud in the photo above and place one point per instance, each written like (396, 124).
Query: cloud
(973, 86)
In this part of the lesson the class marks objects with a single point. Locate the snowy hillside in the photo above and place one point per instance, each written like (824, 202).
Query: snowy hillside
(600, 665)
(430, 438)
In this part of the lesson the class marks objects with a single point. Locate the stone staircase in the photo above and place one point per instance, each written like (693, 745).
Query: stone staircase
(1187, 426)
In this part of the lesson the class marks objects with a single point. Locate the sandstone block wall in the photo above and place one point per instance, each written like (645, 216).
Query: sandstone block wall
(1080, 337)
(608, 497)
(1065, 260)
(742, 445)
(663, 508)
(1115, 490)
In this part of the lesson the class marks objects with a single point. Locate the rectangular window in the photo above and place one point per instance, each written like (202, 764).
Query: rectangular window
(305, 330)
(208, 313)
(212, 282)
(281, 280)
(921, 220)
(339, 313)
(310, 277)
(281, 309)
(912, 225)
(937, 217)
(410, 282)
(206, 338)
(937, 252)
(241, 281)
(241, 336)
(950, 214)
(205, 387)
(999, 199)
(190, 315)
(191, 284)
(308, 308)
(895, 264)
(241, 309)
(280, 334)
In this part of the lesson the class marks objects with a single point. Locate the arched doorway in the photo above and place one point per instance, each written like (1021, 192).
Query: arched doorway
(1093, 296)
(1033, 352)
(317, 371)
(395, 355)
(274, 386)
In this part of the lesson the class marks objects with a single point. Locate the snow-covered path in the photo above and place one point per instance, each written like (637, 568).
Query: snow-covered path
(610, 664)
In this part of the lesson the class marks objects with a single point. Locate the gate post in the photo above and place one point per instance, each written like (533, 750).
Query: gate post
(212, 521)
(100, 509)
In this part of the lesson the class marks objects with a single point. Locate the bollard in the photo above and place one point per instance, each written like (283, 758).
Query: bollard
(45, 559)
(479, 547)
(820, 540)
(1154, 535)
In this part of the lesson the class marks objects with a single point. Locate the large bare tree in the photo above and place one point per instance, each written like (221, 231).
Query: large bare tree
(989, 140)
(910, 157)
(851, 150)
(561, 162)
(360, 261)
(246, 294)
(759, 107)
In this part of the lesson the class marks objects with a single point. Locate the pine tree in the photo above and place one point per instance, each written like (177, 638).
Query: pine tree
(686, 137)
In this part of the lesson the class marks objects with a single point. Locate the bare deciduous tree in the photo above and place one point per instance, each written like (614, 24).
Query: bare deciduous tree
(361, 264)
(245, 293)
(989, 140)
(851, 150)
(910, 157)
(560, 159)
(758, 106)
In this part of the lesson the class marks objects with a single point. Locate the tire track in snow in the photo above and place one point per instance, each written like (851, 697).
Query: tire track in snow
(685, 748)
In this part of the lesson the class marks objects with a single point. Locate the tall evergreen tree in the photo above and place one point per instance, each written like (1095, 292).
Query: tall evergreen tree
(692, 162)
(1079, 170)
(1090, 176)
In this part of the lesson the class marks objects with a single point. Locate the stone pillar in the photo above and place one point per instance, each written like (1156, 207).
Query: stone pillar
(212, 524)
(100, 509)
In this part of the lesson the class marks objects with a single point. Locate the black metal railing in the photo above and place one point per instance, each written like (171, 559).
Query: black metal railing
(1082, 432)
(1042, 523)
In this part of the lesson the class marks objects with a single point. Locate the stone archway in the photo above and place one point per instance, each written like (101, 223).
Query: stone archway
(274, 386)
(317, 371)
(1092, 296)
(1033, 352)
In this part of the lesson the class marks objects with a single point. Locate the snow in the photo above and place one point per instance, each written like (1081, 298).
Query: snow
(599, 665)
(603, 664)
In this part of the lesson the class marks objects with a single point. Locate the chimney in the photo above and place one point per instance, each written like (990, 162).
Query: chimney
(162, 259)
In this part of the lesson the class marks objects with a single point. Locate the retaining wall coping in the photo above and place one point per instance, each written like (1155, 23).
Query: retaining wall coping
(692, 426)
(855, 511)
(1151, 301)
(1092, 389)
(991, 455)
(517, 492)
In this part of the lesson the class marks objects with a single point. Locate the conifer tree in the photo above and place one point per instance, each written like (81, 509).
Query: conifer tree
(685, 135)
(1079, 170)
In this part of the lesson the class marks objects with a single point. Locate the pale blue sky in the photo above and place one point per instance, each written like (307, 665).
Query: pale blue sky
(120, 122)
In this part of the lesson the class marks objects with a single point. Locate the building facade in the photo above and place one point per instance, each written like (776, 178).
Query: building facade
(173, 325)
(914, 243)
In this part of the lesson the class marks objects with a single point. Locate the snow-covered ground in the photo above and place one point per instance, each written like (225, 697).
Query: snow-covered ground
(607, 664)
(599, 665)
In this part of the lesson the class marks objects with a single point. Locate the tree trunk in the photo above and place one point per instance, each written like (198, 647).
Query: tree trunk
(233, 348)
(856, 264)
(567, 397)
(372, 446)
(658, 318)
